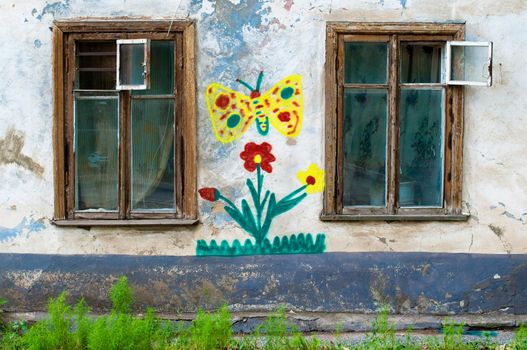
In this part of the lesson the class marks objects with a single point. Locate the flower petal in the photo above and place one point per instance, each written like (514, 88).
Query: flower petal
(315, 183)
(252, 150)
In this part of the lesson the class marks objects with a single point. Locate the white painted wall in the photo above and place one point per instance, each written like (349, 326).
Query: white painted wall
(237, 39)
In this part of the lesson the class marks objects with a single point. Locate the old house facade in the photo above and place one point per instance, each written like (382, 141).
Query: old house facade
(321, 155)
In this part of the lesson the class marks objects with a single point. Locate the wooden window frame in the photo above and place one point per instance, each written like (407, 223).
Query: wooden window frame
(333, 208)
(64, 35)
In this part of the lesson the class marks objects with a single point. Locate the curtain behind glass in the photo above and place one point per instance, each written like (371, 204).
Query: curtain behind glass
(96, 152)
(153, 133)
(152, 154)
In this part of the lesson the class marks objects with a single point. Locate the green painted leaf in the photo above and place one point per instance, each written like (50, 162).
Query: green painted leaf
(266, 197)
(254, 194)
(283, 206)
(269, 216)
(249, 217)
(238, 217)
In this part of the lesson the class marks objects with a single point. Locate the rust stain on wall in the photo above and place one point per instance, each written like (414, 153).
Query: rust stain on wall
(11, 152)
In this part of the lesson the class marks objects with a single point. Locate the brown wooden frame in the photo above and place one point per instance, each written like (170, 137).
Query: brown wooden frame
(65, 33)
(393, 33)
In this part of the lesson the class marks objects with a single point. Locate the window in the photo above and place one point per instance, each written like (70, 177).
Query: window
(124, 123)
(393, 125)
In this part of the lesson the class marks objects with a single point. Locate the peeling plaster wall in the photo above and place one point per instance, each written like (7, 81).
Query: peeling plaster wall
(237, 39)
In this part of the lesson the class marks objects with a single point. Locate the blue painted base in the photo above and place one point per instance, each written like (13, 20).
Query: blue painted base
(410, 283)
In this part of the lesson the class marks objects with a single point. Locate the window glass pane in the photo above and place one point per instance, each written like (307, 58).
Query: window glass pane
(152, 153)
(131, 64)
(470, 63)
(365, 63)
(365, 118)
(161, 69)
(421, 148)
(420, 63)
(95, 65)
(96, 152)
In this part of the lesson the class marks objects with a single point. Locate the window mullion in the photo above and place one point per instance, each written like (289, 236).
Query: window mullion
(69, 127)
(393, 127)
(340, 126)
(178, 125)
(124, 155)
(447, 147)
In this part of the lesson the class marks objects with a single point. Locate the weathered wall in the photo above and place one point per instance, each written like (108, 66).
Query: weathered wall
(321, 291)
(237, 39)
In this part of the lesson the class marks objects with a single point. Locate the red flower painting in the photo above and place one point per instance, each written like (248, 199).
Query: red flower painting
(256, 219)
(209, 193)
(255, 154)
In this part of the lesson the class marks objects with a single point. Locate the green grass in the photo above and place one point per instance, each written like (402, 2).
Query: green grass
(71, 327)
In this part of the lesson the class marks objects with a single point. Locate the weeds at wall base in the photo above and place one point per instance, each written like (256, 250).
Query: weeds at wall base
(70, 327)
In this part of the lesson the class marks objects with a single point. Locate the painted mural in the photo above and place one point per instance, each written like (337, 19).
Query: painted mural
(256, 219)
(232, 113)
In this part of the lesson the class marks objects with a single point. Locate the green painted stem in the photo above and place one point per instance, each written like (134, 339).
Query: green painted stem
(295, 192)
(259, 184)
(258, 229)
(228, 201)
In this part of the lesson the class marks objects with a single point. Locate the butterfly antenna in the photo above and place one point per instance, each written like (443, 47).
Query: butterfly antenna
(245, 84)
(259, 82)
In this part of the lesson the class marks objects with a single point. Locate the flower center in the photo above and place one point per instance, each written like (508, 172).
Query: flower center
(310, 180)
(257, 159)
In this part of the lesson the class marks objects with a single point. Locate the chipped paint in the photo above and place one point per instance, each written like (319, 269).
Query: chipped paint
(55, 9)
(226, 25)
(25, 226)
(458, 284)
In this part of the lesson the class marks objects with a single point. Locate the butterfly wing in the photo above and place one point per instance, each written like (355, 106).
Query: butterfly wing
(286, 104)
(230, 112)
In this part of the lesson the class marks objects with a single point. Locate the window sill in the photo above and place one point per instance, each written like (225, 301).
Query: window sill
(122, 223)
(347, 217)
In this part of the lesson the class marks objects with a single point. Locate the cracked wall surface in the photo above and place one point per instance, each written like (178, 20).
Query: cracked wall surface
(237, 39)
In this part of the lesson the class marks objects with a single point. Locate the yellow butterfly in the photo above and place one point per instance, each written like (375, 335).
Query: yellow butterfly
(231, 112)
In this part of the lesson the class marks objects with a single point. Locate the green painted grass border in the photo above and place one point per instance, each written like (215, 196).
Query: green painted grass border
(294, 244)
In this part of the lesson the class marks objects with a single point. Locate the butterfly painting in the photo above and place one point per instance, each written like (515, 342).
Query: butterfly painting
(232, 112)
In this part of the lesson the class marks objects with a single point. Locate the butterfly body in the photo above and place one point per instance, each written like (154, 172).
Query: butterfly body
(232, 112)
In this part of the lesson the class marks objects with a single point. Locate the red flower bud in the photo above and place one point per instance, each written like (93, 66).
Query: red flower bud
(209, 193)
